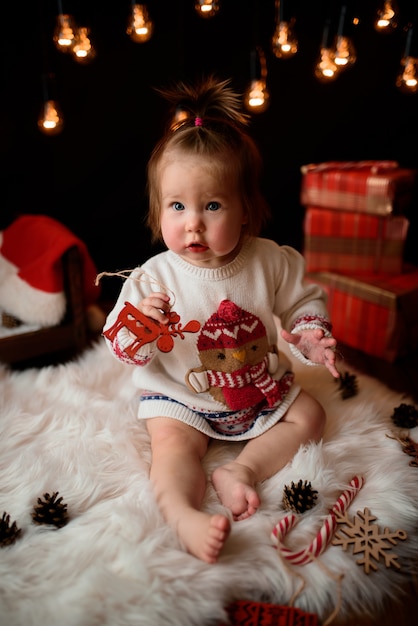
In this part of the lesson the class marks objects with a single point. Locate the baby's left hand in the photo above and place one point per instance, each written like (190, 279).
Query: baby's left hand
(313, 344)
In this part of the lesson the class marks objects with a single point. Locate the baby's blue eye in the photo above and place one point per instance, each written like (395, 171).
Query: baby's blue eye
(178, 206)
(213, 206)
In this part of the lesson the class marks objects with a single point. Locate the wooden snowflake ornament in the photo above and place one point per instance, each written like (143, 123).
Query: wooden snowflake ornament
(410, 447)
(367, 538)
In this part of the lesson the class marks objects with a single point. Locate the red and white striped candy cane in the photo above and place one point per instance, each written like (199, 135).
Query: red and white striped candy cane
(324, 536)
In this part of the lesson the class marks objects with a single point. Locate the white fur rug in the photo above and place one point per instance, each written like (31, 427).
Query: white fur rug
(72, 429)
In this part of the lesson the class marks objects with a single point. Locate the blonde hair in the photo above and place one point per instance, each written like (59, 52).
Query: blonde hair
(211, 125)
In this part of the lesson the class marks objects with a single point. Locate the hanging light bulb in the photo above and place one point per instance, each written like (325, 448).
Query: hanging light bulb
(407, 79)
(83, 50)
(284, 44)
(140, 26)
(50, 119)
(257, 97)
(284, 41)
(64, 34)
(326, 70)
(344, 51)
(207, 8)
(386, 17)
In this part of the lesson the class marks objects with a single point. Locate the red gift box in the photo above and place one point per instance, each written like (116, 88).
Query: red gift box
(377, 314)
(377, 187)
(353, 243)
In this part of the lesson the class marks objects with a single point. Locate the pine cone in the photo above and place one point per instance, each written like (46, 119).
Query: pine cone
(300, 497)
(405, 416)
(8, 534)
(348, 385)
(50, 510)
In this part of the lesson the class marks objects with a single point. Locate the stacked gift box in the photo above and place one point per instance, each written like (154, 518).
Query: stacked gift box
(355, 230)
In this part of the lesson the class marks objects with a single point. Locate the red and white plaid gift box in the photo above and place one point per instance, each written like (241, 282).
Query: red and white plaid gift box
(353, 243)
(378, 187)
(377, 314)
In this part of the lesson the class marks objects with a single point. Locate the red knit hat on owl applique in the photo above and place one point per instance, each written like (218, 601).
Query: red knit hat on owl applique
(230, 327)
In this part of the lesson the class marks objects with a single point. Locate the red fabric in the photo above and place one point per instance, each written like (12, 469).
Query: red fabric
(353, 243)
(246, 386)
(230, 327)
(35, 245)
(376, 314)
(378, 187)
(248, 613)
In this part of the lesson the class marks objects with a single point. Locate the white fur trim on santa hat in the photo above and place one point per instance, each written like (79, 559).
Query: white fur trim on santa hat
(28, 304)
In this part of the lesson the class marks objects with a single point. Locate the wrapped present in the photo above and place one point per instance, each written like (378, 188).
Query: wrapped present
(353, 243)
(377, 314)
(377, 187)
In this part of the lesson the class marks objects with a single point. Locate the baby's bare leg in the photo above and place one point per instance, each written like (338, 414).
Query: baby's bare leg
(265, 455)
(180, 483)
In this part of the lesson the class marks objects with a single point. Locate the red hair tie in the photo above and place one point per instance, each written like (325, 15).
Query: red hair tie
(198, 121)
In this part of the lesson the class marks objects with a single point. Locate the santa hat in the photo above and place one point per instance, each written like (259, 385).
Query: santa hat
(31, 276)
(230, 327)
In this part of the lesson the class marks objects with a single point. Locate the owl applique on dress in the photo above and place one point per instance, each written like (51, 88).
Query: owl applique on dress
(237, 362)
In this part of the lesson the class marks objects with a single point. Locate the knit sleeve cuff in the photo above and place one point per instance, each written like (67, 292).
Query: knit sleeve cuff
(123, 340)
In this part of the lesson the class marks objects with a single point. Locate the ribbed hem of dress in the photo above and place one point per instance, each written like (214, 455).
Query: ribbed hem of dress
(164, 408)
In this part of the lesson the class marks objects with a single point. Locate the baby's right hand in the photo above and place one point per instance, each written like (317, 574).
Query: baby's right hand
(156, 306)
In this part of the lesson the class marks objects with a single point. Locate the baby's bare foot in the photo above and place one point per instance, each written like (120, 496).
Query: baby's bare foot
(204, 535)
(235, 486)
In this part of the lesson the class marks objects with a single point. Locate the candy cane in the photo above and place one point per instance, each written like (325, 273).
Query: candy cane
(325, 533)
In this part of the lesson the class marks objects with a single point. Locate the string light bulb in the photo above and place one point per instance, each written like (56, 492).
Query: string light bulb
(83, 50)
(207, 8)
(140, 26)
(64, 33)
(326, 70)
(386, 17)
(407, 79)
(256, 98)
(284, 42)
(50, 119)
(344, 51)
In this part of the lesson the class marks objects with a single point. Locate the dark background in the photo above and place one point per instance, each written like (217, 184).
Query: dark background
(92, 176)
